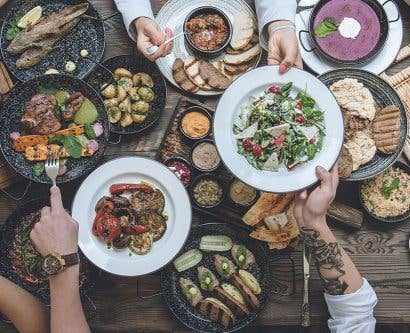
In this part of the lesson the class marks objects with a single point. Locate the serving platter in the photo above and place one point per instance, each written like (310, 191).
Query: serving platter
(253, 83)
(132, 170)
(10, 118)
(172, 15)
(135, 64)
(88, 34)
(383, 95)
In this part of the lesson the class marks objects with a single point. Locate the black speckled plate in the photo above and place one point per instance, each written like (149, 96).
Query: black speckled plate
(135, 64)
(10, 121)
(88, 34)
(183, 311)
(383, 95)
(391, 219)
(7, 238)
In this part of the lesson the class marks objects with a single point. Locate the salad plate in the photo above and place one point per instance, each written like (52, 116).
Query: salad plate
(132, 170)
(272, 130)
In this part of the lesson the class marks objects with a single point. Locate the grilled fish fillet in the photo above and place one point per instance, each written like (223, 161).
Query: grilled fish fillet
(48, 28)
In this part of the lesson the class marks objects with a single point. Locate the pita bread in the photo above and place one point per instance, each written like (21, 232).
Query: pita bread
(362, 148)
(191, 66)
(243, 28)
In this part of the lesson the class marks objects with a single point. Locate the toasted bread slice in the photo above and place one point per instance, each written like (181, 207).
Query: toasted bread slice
(233, 303)
(237, 59)
(213, 76)
(217, 311)
(243, 28)
(386, 129)
(180, 77)
(191, 66)
(237, 69)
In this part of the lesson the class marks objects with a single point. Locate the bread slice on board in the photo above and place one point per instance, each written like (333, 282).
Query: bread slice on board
(243, 28)
(237, 59)
(191, 66)
(213, 76)
(180, 77)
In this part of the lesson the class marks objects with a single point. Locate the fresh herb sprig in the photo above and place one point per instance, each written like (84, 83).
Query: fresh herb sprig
(327, 27)
(12, 32)
(387, 190)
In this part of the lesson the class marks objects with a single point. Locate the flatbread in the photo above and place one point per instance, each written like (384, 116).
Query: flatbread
(243, 28)
(362, 148)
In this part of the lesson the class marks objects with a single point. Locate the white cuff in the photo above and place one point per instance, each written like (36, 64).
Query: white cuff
(131, 10)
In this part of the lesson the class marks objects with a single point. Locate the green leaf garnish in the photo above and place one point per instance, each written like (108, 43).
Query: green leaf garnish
(328, 26)
(12, 32)
(38, 168)
(387, 190)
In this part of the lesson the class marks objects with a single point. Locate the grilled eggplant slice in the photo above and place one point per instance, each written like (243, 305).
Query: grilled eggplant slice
(249, 296)
(190, 291)
(142, 243)
(242, 256)
(217, 311)
(224, 266)
(142, 201)
(232, 302)
(121, 242)
(156, 222)
(207, 279)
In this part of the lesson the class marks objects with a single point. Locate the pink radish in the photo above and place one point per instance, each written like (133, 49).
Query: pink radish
(14, 135)
(98, 129)
(93, 145)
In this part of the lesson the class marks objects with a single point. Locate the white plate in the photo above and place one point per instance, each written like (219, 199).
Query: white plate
(132, 170)
(377, 65)
(254, 83)
(172, 15)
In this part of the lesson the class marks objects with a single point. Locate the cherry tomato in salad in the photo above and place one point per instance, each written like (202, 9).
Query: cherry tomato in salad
(300, 119)
(274, 89)
(257, 150)
(299, 106)
(247, 144)
(279, 140)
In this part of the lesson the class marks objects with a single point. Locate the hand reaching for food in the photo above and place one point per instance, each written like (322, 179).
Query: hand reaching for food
(283, 46)
(56, 232)
(310, 209)
(149, 33)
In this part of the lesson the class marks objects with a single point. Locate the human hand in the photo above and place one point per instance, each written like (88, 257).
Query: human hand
(310, 209)
(149, 33)
(57, 231)
(283, 48)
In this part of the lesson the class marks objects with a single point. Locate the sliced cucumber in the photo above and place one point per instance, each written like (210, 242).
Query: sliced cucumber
(188, 260)
(217, 243)
(86, 114)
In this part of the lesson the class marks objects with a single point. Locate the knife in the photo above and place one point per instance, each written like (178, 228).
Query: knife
(306, 275)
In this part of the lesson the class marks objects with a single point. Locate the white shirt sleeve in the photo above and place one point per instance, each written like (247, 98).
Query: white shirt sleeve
(273, 10)
(131, 10)
(352, 313)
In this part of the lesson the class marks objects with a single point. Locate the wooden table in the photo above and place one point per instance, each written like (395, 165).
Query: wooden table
(380, 252)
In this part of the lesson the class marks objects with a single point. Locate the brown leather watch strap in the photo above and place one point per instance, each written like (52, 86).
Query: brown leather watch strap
(71, 259)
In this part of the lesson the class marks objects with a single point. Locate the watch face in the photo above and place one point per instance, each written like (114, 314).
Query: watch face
(51, 264)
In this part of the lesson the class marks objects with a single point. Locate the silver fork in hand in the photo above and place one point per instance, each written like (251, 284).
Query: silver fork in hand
(52, 166)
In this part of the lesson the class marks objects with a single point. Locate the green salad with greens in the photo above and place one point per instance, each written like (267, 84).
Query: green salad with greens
(279, 130)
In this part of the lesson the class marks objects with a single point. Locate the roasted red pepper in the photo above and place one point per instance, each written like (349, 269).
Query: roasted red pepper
(120, 188)
(136, 229)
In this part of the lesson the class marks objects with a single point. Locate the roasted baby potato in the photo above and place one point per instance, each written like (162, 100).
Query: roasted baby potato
(138, 118)
(126, 119)
(114, 114)
(122, 72)
(125, 82)
(109, 103)
(125, 105)
(140, 106)
(133, 93)
(121, 93)
(147, 94)
(108, 90)
(142, 78)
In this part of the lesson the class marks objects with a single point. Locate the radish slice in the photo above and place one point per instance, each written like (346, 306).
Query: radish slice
(14, 135)
(98, 129)
(93, 145)
(62, 170)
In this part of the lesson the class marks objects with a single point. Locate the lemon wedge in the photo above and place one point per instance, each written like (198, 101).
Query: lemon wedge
(30, 17)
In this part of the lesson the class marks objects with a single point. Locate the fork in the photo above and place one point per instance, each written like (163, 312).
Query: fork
(52, 166)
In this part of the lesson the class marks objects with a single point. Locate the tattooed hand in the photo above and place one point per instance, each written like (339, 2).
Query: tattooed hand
(310, 210)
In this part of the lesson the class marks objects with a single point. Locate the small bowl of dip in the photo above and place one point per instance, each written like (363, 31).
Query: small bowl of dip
(195, 123)
(181, 168)
(241, 194)
(204, 156)
(207, 191)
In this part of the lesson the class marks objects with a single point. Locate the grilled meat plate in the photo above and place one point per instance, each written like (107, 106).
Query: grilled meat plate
(242, 256)
(40, 49)
(48, 28)
(190, 291)
(142, 201)
(217, 311)
(207, 279)
(72, 105)
(225, 267)
(39, 115)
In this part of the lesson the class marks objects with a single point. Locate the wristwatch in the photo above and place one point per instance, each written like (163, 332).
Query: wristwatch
(53, 264)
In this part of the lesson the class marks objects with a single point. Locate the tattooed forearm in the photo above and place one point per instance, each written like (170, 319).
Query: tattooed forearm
(328, 260)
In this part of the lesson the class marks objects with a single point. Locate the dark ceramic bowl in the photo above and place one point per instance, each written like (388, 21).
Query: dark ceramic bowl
(384, 30)
(207, 10)
(206, 176)
(391, 219)
(135, 64)
(10, 121)
(88, 34)
(192, 160)
(383, 95)
(192, 109)
(228, 194)
(184, 161)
